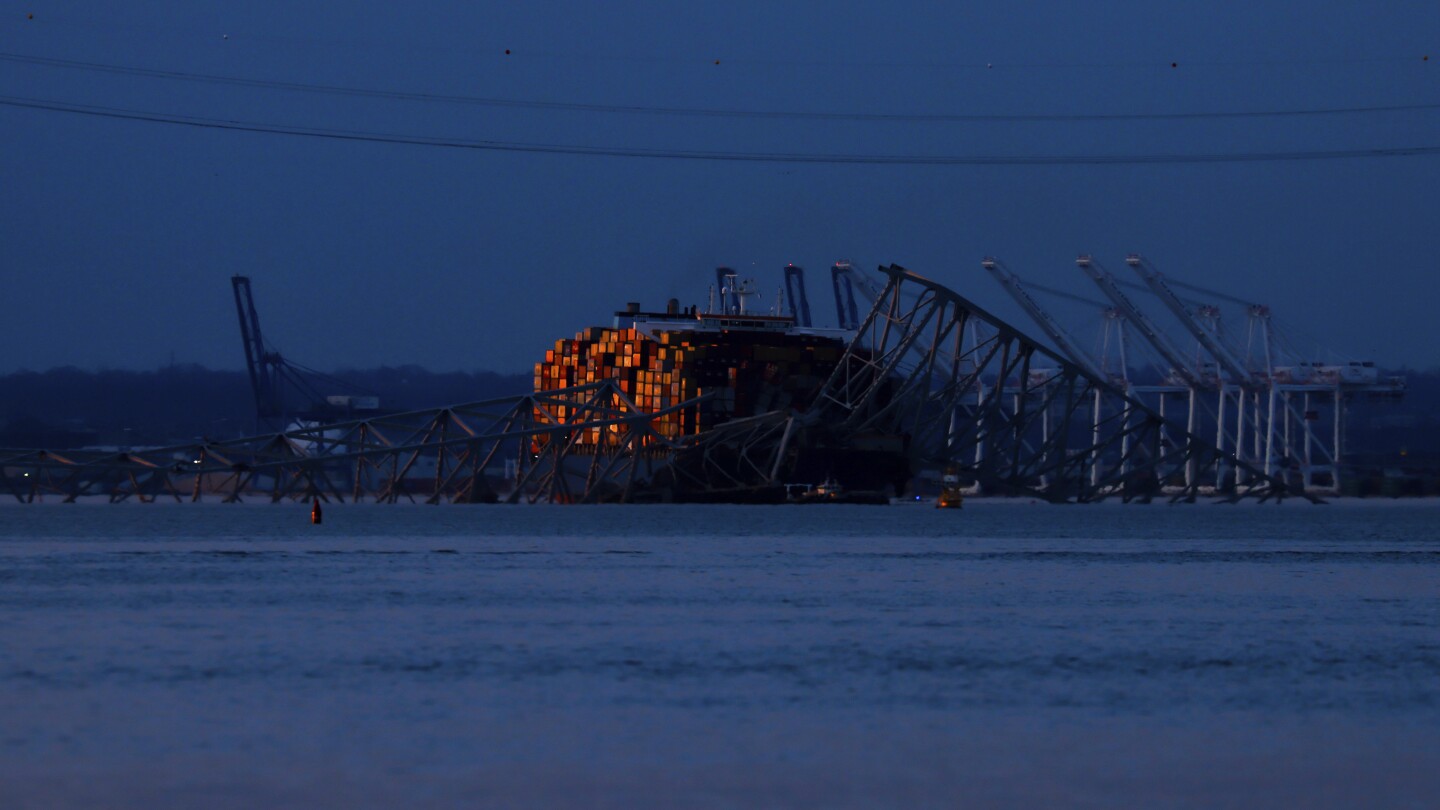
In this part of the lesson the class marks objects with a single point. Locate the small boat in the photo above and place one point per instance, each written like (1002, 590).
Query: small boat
(831, 491)
(950, 495)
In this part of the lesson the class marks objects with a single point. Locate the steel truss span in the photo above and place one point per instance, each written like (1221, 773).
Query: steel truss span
(929, 382)
(438, 455)
(962, 387)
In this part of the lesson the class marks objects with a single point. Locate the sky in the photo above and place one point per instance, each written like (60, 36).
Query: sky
(118, 236)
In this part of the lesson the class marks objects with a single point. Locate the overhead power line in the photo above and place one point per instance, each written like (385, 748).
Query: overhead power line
(706, 112)
(709, 155)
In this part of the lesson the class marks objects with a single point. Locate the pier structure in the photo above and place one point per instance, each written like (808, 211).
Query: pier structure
(1264, 402)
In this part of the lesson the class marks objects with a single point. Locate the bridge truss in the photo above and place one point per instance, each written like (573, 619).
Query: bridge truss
(930, 377)
(964, 388)
(437, 455)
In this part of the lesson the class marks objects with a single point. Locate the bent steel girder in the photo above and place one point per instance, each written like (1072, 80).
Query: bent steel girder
(598, 445)
(965, 388)
(433, 455)
(31, 475)
(928, 373)
(737, 456)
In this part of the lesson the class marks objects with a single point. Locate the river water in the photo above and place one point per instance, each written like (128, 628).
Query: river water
(1007, 654)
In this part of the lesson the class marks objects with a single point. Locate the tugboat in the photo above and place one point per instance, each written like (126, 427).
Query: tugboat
(832, 492)
(950, 495)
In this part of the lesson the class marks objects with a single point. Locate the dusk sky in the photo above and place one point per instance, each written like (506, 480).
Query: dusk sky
(118, 236)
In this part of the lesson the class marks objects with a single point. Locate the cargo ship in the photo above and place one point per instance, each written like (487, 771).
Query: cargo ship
(749, 363)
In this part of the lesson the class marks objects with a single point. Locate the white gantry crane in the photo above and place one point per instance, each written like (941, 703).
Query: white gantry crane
(1295, 389)
(1268, 402)
(1234, 377)
(1047, 324)
(1180, 372)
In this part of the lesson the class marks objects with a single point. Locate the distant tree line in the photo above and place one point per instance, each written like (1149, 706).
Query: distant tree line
(69, 407)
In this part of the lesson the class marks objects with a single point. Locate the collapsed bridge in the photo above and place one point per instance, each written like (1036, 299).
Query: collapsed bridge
(925, 381)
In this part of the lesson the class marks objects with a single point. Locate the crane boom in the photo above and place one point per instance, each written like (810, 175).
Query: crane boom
(262, 365)
(846, 314)
(1156, 282)
(799, 302)
(1047, 324)
(284, 389)
(1155, 337)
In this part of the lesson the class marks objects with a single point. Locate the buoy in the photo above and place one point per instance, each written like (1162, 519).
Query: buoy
(315, 514)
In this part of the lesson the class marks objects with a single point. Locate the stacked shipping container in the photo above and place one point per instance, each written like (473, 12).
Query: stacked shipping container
(748, 371)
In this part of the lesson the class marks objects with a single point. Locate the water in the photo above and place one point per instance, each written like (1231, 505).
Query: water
(828, 656)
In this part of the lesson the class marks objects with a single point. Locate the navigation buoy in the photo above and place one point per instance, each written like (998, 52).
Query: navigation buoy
(315, 514)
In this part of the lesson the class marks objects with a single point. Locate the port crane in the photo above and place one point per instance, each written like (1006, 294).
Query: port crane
(1247, 385)
(265, 366)
(851, 286)
(795, 295)
(1109, 285)
(1299, 389)
(285, 390)
(1222, 354)
(1047, 324)
(1180, 371)
(1067, 345)
(1280, 395)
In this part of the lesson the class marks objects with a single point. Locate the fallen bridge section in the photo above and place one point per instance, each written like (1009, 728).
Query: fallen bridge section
(929, 382)
(962, 388)
(514, 448)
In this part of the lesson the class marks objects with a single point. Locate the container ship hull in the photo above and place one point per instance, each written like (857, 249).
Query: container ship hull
(730, 368)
